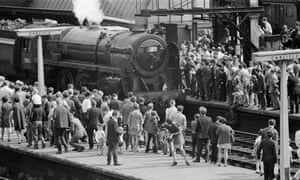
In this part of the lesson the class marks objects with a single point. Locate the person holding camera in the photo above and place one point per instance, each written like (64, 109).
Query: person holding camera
(176, 141)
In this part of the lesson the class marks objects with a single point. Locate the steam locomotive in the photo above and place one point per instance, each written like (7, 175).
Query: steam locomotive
(109, 58)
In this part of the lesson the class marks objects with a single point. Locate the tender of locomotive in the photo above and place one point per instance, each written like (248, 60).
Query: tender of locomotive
(109, 58)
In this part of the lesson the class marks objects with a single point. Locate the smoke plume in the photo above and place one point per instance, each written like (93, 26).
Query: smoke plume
(89, 10)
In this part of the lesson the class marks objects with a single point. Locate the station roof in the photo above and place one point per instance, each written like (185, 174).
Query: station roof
(196, 11)
(114, 10)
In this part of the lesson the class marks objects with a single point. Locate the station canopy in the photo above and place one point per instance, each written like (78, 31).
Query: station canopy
(122, 11)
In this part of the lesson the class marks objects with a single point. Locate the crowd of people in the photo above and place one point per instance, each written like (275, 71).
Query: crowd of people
(210, 72)
(213, 71)
(74, 118)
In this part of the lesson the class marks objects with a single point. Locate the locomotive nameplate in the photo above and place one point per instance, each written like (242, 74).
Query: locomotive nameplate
(266, 56)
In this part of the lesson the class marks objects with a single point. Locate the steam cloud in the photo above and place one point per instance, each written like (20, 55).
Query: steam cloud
(88, 9)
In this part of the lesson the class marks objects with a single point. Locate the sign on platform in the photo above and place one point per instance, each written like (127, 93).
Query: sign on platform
(265, 56)
(33, 32)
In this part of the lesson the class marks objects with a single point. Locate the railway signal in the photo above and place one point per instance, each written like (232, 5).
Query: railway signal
(282, 56)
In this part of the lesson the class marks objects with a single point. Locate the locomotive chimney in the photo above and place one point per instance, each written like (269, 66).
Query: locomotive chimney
(140, 24)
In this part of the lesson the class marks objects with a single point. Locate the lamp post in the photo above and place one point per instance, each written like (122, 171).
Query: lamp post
(40, 62)
(284, 124)
(283, 57)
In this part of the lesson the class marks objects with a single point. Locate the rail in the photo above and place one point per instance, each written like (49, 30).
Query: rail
(246, 133)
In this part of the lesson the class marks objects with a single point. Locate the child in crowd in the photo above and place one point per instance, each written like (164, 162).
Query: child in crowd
(100, 138)
(238, 99)
(163, 135)
(121, 140)
(258, 162)
(254, 90)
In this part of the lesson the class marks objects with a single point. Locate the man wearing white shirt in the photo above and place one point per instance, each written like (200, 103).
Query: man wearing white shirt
(36, 98)
(6, 91)
(171, 110)
(267, 28)
(86, 104)
(180, 119)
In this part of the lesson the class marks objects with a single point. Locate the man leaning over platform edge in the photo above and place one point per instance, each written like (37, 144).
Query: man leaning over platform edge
(62, 118)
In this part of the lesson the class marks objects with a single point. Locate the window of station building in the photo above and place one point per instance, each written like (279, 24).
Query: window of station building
(232, 3)
(45, 45)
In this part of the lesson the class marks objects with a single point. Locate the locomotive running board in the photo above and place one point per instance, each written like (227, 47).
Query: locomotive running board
(79, 65)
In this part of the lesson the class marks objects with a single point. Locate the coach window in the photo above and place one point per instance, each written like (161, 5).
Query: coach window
(27, 45)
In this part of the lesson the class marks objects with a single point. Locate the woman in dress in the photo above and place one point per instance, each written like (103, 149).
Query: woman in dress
(225, 138)
(135, 122)
(19, 118)
(4, 117)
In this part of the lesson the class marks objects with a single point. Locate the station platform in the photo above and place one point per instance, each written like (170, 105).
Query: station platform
(134, 165)
(243, 118)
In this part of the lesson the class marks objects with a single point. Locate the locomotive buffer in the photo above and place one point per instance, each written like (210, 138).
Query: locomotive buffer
(283, 56)
(37, 33)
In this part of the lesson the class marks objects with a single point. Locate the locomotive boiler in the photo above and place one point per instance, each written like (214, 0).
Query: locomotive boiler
(146, 53)
(113, 59)
(135, 60)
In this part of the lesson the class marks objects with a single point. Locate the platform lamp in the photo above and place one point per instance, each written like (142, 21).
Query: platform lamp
(283, 57)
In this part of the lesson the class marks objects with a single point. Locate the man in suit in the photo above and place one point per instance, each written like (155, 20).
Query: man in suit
(215, 89)
(112, 138)
(77, 103)
(206, 79)
(292, 83)
(199, 71)
(68, 102)
(261, 89)
(274, 89)
(62, 118)
(269, 156)
(271, 127)
(93, 118)
(222, 84)
(115, 103)
(212, 133)
(203, 124)
(127, 108)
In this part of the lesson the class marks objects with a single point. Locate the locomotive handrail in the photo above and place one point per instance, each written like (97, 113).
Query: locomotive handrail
(78, 65)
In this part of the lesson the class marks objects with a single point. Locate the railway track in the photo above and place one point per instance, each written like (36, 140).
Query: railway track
(241, 152)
